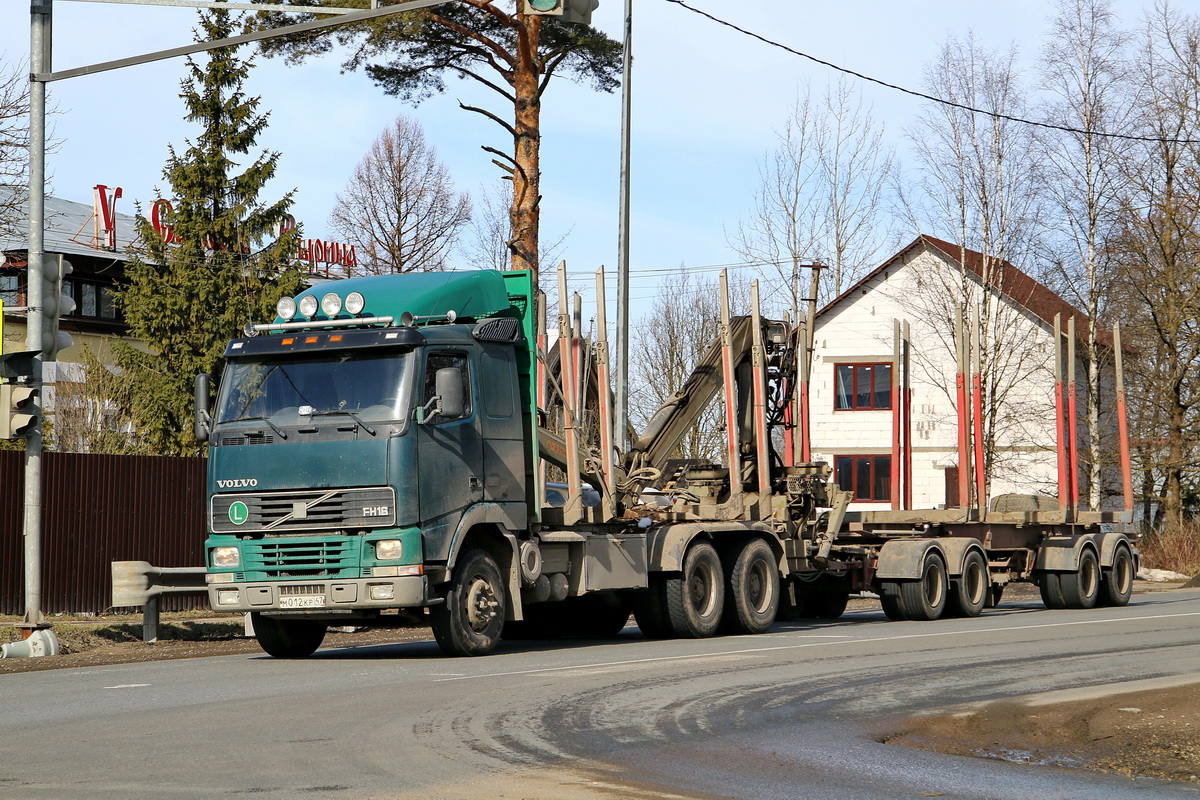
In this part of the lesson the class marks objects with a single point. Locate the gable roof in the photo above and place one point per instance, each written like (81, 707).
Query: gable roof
(1017, 286)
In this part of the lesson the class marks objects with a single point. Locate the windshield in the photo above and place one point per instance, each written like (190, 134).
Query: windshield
(291, 390)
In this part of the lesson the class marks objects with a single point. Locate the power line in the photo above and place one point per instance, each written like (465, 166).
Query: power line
(932, 98)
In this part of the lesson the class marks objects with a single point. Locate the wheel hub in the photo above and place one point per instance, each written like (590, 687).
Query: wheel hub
(482, 605)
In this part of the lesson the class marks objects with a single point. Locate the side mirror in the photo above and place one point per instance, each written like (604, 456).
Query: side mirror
(448, 382)
(200, 402)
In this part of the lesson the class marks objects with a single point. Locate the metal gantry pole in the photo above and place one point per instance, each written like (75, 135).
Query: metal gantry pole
(622, 404)
(39, 62)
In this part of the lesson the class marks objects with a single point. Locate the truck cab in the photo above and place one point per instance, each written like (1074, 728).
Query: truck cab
(317, 510)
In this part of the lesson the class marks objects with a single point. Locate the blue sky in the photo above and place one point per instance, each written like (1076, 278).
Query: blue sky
(706, 104)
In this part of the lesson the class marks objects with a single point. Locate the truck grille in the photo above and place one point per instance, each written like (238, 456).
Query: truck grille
(313, 510)
(309, 560)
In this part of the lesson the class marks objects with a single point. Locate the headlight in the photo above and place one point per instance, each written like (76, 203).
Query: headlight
(355, 303)
(286, 308)
(331, 304)
(308, 306)
(388, 549)
(226, 557)
(227, 597)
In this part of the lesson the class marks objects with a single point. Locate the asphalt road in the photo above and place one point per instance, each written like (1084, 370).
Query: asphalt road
(790, 714)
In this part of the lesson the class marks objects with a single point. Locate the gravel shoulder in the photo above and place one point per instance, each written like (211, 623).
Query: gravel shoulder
(1136, 729)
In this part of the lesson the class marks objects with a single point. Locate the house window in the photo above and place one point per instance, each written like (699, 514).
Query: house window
(868, 478)
(10, 289)
(92, 300)
(862, 387)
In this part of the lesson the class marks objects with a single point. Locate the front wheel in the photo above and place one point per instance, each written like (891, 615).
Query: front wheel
(283, 637)
(696, 597)
(471, 619)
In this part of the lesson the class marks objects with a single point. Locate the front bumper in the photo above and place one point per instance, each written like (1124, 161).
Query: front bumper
(317, 595)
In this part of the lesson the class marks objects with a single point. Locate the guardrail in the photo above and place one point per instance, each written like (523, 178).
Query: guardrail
(139, 583)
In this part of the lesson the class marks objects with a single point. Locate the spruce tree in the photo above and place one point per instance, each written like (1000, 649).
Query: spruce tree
(223, 266)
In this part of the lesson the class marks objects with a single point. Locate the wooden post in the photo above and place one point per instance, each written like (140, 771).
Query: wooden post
(573, 507)
(1122, 421)
(733, 457)
(759, 368)
(1072, 420)
(977, 413)
(1060, 434)
(964, 427)
(607, 468)
(906, 392)
(897, 417)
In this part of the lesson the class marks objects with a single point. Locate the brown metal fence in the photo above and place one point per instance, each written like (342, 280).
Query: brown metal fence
(101, 509)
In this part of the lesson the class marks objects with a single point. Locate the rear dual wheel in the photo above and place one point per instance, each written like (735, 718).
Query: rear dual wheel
(696, 597)
(752, 589)
(922, 599)
(1077, 589)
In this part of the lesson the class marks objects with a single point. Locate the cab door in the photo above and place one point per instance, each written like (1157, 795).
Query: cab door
(449, 454)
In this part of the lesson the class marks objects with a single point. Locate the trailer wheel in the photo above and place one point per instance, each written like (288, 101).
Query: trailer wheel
(696, 597)
(542, 621)
(925, 598)
(752, 590)
(969, 594)
(889, 600)
(287, 638)
(1051, 589)
(1081, 588)
(596, 616)
(650, 609)
(1116, 586)
(471, 619)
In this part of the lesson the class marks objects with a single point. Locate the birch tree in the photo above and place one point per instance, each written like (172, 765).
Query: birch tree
(1085, 69)
(821, 195)
(1156, 246)
(979, 181)
(399, 209)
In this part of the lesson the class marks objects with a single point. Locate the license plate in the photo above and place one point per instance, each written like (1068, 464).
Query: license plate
(303, 601)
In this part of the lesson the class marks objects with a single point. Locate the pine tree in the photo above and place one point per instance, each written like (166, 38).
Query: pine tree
(222, 266)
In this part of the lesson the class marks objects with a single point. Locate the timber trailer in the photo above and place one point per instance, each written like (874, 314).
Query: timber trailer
(382, 450)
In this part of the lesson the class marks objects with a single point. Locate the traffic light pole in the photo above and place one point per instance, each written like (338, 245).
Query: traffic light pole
(39, 63)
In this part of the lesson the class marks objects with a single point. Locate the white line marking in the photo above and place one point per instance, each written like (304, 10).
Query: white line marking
(777, 648)
(128, 686)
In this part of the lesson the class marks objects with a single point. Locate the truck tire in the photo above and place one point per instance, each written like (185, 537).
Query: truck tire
(542, 621)
(969, 594)
(471, 619)
(889, 600)
(1051, 590)
(650, 609)
(596, 616)
(1116, 586)
(696, 597)
(1081, 588)
(829, 599)
(287, 638)
(925, 598)
(751, 589)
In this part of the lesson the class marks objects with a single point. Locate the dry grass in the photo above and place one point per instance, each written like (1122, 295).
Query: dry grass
(1175, 547)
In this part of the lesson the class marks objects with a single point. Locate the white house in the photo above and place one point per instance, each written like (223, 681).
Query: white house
(854, 400)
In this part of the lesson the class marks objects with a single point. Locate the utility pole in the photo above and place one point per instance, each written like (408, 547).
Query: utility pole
(622, 409)
(39, 63)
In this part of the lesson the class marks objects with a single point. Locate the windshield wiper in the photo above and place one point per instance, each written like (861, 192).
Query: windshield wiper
(349, 414)
(274, 427)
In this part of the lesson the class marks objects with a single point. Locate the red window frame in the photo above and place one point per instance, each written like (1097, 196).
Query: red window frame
(869, 478)
(873, 392)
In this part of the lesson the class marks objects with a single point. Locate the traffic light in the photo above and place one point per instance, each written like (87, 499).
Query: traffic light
(55, 304)
(18, 410)
(576, 11)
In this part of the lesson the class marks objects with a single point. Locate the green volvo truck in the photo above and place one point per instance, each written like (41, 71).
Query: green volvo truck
(381, 448)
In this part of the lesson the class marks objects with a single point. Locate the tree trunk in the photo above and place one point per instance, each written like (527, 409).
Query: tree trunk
(526, 144)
